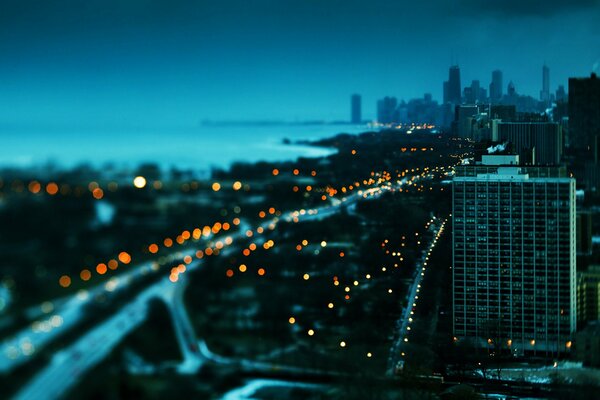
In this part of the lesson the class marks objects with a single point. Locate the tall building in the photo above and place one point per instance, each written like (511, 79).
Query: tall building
(452, 87)
(545, 92)
(513, 268)
(584, 114)
(496, 86)
(561, 95)
(474, 94)
(355, 114)
(387, 111)
(463, 119)
(536, 143)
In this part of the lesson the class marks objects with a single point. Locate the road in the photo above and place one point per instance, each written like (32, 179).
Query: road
(406, 318)
(72, 362)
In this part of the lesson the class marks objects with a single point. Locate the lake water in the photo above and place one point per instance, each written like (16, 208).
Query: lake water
(196, 147)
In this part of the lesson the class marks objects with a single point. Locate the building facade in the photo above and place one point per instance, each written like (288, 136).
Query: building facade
(536, 143)
(514, 257)
(588, 295)
(584, 115)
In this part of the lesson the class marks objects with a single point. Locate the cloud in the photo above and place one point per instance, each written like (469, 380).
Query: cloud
(527, 8)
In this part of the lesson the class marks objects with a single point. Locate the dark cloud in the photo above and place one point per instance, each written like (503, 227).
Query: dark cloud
(527, 8)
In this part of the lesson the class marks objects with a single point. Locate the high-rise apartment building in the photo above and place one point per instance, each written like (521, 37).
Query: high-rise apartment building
(514, 256)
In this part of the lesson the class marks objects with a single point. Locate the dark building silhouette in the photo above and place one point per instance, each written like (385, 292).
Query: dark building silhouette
(561, 95)
(511, 90)
(584, 233)
(545, 92)
(355, 111)
(452, 87)
(536, 143)
(387, 110)
(584, 115)
(588, 345)
(463, 120)
(503, 112)
(496, 86)
(474, 94)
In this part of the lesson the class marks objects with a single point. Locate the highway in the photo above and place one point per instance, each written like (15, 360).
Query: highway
(69, 364)
(406, 318)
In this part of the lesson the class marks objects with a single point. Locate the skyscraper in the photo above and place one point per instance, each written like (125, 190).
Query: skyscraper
(514, 257)
(545, 93)
(355, 112)
(584, 114)
(387, 110)
(452, 87)
(473, 94)
(496, 86)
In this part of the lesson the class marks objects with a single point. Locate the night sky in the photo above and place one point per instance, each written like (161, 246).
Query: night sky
(152, 63)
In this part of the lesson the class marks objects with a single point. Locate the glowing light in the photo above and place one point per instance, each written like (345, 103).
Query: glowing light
(342, 344)
(237, 185)
(292, 320)
(306, 277)
(216, 186)
(98, 193)
(85, 275)
(101, 268)
(311, 332)
(113, 264)
(65, 281)
(261, 271)
(139, 182)
(34, 187)
(124, 257)
(229, 273)
(52, 188)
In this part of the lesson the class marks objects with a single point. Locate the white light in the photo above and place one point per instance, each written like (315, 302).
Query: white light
(139, 182)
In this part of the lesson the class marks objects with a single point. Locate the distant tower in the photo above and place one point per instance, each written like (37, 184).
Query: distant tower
(496, 85)
(452, 87)
(545, 93)
(561, 95)
(356, 117)
(511, 89)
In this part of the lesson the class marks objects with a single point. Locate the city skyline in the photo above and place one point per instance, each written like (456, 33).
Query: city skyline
(179, 64)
